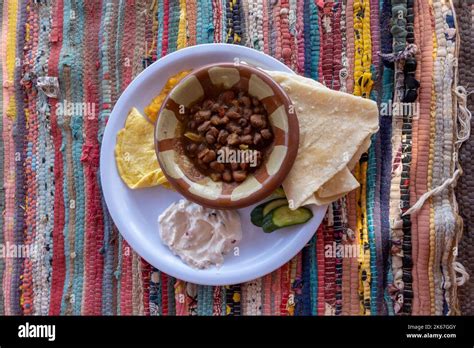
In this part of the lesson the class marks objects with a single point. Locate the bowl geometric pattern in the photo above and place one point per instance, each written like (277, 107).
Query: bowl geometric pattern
(208, 82)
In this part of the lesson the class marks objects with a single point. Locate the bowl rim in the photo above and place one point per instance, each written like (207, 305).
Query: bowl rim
(275, 180)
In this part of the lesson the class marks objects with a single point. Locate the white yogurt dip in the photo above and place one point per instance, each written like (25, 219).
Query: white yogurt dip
(199, 236)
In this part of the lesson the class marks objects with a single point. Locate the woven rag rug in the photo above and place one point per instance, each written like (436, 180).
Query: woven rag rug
(414, 227)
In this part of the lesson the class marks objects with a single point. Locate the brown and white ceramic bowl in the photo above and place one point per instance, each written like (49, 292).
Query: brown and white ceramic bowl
(208, 82)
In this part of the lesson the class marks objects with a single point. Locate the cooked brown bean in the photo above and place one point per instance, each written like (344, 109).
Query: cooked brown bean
(227, 96)
(207, 104)
(266, 134)
(246, 139)
(224, 120)
(210, 138)
(245, 101)
(233, 139)
(242, 122)
(247, 113)
(209, 156)
(255, 101)
(202, 115)
(217, 166)
(257, 139)
(227, 176)
(216, 176)
(233, 128)
(213, 131)
(234, 166)
(215, 120)
(258, 121)
(222, 137)
(232, 114)
(203, 153)
(192, 149)
(204, 127)
(239, 175)
(247, 130)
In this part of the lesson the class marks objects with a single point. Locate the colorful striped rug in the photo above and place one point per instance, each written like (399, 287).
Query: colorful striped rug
(62, 254)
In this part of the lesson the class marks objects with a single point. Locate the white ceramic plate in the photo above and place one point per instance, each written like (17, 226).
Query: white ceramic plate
(135, 212)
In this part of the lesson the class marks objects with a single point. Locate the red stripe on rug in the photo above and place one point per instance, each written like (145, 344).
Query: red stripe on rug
(128, 43)
(354, 302)
(94, 261)
(126, 285)
(164, 293)
(217, 301)
(146, 273)
(329, 268)
(30, 51)
(321, 271)
(166, 16)
(59, 260)
(287, 42)
(285, 288)
(267, 297)
(128, 46)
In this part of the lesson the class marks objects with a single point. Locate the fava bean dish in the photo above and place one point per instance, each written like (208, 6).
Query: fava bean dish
(227, 137)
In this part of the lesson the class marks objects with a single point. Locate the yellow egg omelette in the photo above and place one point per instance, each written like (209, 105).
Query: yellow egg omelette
(135, 153)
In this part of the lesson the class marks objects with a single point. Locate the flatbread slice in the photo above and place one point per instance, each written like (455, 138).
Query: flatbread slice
(335, 130)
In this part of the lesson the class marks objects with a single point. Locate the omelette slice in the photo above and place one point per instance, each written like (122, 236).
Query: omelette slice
(135, 153)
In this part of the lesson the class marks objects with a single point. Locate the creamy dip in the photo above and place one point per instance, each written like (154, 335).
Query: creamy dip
(199, 236)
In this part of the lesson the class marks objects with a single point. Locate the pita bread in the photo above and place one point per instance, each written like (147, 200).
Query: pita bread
(335, 130)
